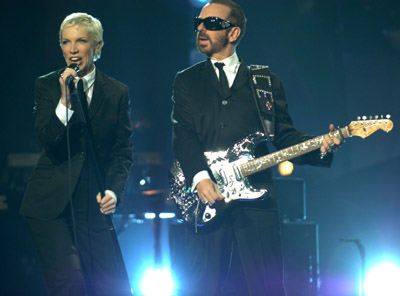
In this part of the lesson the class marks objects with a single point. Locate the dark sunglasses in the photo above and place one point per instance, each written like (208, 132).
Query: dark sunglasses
(212, 23)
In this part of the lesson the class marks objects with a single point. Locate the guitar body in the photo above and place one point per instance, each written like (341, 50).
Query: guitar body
(224, 166)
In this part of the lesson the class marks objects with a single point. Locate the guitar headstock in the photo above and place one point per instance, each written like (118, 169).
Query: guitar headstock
(364, 128)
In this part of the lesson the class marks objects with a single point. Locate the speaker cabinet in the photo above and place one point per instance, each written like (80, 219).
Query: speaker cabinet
(291, 194)
(301, 258)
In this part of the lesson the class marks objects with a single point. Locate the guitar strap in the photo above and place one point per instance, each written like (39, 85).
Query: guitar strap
(260, 80)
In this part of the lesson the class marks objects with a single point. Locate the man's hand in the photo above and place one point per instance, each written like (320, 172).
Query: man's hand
(107, 204)
(208, 191)
(330, 143)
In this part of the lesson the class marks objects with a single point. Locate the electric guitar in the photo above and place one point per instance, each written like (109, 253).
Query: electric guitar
(231, 168)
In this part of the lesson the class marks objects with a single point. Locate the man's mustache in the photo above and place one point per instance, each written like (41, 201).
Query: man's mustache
(203, 35)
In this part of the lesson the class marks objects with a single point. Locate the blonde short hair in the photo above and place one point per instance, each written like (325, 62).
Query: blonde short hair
(91, 24)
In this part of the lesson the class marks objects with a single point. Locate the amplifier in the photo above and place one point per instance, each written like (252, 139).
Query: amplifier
(301, 258)
(291, 194)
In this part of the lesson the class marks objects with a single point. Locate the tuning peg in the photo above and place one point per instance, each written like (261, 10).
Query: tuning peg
(388, 116)
(381, 116)
(376, 117)
(358, 118)
(364, 117)
(370, 117)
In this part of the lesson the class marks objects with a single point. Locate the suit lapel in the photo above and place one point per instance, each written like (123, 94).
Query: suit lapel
(242, 76)
(98, 94)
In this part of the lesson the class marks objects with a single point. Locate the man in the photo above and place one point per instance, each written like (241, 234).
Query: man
(64, 210)
(210, 116)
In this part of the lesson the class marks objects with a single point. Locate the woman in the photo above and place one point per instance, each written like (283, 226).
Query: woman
(64, 210)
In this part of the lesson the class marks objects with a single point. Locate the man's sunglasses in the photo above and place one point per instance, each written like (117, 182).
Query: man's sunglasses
(212, 23)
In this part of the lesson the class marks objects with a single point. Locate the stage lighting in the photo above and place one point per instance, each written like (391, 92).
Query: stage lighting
(285, 168)
(383, 279)
(157, 282)
(145, 181)
(149, 215)
(198, 3)
(166, 215)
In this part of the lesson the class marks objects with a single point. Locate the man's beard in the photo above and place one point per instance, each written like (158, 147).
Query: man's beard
(214, 46)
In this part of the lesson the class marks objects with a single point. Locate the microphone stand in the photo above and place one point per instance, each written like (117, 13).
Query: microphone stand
(361, 250)
(123, 277)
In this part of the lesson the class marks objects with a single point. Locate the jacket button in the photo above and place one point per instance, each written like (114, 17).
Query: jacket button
(224, 102)
(222, 125)
(82, 155)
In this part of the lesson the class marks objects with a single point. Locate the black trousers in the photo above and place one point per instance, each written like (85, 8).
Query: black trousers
(87, 266)
(255, 233)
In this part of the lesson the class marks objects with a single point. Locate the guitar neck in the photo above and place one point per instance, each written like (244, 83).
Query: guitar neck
(267, 161)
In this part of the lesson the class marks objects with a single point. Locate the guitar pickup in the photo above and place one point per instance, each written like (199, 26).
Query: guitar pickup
(223, 177)
(238, 174)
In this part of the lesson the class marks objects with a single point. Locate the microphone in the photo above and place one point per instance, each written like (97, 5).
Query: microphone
(71, 78)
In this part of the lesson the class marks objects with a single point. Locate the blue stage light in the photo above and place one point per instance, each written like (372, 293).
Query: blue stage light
(167, 215)
(198, 3)
(383, 279)
(157, 282)
(149, 215)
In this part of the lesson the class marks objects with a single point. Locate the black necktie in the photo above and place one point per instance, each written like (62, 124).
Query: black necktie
(223, 81)
(82, 97)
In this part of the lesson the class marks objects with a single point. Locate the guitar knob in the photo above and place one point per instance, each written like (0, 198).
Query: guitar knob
(211, 206)
(208, 216)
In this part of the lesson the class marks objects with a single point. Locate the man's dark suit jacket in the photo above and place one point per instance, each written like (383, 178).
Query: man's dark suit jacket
(47, 192)
(202, 122)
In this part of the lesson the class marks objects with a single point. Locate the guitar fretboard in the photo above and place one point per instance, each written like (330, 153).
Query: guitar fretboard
(267, 161)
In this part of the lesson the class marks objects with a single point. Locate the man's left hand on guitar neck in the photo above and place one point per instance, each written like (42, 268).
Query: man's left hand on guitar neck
(331, 142)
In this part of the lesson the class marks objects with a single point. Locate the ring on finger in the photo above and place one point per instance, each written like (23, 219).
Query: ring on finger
(334, 147)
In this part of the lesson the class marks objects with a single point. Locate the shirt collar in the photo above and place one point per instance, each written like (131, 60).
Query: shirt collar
(88, 79)
(231, 63)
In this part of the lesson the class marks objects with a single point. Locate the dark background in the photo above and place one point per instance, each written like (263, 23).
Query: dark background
(337, 59)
